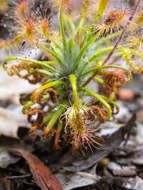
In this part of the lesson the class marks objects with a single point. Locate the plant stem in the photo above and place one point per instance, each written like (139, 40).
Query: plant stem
(54, 118)
(58, 132)
(74, 88)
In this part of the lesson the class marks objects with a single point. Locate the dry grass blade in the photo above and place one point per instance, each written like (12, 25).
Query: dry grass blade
(42, 175)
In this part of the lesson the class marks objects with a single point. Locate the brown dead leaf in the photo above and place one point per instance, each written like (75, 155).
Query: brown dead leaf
(42, 175)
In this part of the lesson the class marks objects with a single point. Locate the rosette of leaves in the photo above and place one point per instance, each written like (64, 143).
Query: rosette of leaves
(77, 56)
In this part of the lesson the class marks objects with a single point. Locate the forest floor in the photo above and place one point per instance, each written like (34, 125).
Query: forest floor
(117, 166)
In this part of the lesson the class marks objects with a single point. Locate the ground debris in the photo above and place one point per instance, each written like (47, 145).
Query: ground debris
(106, 184)
(125, 172)
(42, 175)
(111, 142)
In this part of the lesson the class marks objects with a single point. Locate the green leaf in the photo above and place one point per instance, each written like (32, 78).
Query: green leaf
(100, 99)
(74, 89)
(27, 105)
(55, 117)
(54, 54)
(84, 49)
(62, 29)
(43, 72)
(101, 8)
(40, 63)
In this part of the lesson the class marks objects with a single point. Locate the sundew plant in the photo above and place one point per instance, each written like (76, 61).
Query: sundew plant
(86, 48)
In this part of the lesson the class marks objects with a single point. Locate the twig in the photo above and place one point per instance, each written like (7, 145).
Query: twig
(87, 175)
(114, 60)
(19, 177)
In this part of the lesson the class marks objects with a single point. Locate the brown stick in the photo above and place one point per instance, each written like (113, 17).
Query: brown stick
(114, 60)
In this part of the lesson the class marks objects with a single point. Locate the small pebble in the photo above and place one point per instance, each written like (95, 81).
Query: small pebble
(125, 94)
(104, 162)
